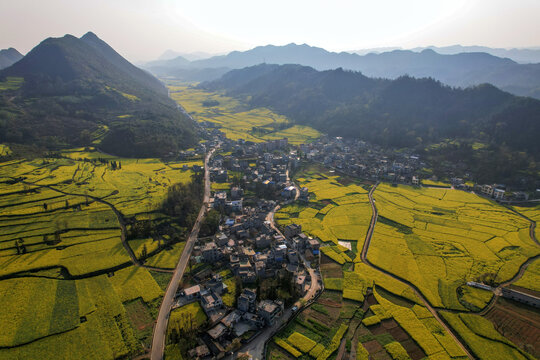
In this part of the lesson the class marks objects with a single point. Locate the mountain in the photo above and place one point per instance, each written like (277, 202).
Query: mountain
(9, 57)
(77, 92)
(463, 70)
(405, 112)
(197, 55)
(522, 55)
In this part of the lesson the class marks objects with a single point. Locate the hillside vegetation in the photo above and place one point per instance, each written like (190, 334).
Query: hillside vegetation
(405, 112)
(66, 90)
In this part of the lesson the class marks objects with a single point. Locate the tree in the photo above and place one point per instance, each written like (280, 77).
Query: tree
(144, 252)
(57, 238)
(66, 205)
(45, 206)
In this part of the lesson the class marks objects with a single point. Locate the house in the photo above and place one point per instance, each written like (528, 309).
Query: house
(246, 300)
(231, 319)
(304, 194)
(234, 205)
(253, 319)
(210, 301)
(193, 292)
(262, 241)
(289, 192)
(216, 285)
(415, 180)
(269, 310)
(220, 199)
(211, 252)
(314, 244)
(292, 230)
(292, 256)
(200, 352)
(237, 193)
(498, 194)
(221, 239)
(218, 332)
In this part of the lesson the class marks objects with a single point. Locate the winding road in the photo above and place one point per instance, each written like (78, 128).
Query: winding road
(160, 329)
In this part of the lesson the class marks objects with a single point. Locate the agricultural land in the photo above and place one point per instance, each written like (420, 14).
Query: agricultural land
(85, 253)
(426, 244)
(236, 120)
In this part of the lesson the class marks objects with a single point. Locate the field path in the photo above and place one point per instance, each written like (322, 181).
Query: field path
(160, 329)
(365, 249)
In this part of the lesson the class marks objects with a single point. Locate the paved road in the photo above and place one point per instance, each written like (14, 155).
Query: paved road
(416, 291)
(160, 329)
(255, 348)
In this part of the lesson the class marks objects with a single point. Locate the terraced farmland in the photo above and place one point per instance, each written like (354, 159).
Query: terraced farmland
(233, 117)
(336, 213)
(438, 239)
(435, 239)
(68, 283)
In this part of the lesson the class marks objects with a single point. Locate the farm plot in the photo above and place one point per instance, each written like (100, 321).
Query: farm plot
(234, 118)
(55, 319)
(438, 239)
(336, 212)
(60, 229)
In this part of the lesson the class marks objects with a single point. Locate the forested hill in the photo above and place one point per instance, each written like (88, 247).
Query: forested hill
(405, 112)
(9, 57)
(74, 92)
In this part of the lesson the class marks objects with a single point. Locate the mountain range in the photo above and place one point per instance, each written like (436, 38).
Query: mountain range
(9, 57)
(461, 70)
(78, 91)
(405, 112)
(519, 55)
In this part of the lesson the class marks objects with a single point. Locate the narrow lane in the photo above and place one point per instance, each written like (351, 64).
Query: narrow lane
(160, 329)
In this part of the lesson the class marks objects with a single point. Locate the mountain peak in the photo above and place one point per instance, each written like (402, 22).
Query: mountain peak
(89, 36)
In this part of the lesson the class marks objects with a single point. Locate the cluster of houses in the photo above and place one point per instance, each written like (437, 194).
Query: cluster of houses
(250, 248)
(500, 193)
(360, 159)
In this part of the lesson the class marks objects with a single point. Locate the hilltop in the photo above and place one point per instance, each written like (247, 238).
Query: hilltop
(76, 91)
(9, 57)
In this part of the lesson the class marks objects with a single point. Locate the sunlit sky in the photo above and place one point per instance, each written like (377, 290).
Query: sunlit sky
(142, 30)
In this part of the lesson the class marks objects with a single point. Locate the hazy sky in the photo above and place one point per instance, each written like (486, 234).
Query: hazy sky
(142, 30)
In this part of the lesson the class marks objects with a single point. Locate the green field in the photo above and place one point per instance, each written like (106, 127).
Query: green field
(234, 118)
(336, 212)
(77, 293)
(436, 239)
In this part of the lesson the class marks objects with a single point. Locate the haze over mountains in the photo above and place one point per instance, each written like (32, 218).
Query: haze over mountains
(519, 55)
(463, 69)
(76, 91)
(405, 112)
(9, 57)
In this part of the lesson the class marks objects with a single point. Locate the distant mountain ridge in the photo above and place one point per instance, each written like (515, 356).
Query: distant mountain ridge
(73, 87)
(9, 57)
(463, 69)
(405, 112)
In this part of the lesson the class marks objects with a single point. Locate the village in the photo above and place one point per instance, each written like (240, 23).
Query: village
(250, 277)
(254, 277)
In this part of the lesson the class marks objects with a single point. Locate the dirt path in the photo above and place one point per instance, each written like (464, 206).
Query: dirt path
(410, 285)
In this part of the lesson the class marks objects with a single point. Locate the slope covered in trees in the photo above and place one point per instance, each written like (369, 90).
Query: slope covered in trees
(69, 91)
(405, 112)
